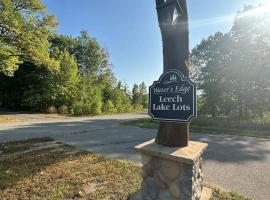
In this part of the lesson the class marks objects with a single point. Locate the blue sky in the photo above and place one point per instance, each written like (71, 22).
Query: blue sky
(129, 29)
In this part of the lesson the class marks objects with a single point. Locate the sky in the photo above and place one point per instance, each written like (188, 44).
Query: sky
(129, 29)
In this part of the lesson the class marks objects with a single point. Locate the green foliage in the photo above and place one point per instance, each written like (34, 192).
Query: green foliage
(139, 96)
(52, 88)
(92, 59)
(109, 107)
(63, 109)
(66, 79)
(221, 195)
(91, 108)
(210, 58)
(80, 108)
(117, 100)
(46, 70)
(24, 31)
(232, 70)
(97, 106)
(89, 54)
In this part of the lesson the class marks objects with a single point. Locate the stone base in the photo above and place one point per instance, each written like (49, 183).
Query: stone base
(171, 173)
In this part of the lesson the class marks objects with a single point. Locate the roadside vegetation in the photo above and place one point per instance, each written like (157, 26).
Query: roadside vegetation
(215, 126)
(41, 70)
(232, 71)
(221, 195)
(45, 169)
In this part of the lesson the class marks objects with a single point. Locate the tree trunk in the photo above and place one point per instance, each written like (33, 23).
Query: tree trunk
(246, 110)
(213, 112)
(240, 109)
(175, 37)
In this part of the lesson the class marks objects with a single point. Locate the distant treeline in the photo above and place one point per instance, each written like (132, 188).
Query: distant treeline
(41, 70)
(233, 69)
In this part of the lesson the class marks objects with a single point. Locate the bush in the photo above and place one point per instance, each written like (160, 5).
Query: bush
(138, 107)
(109, 107)
(80, 108)
(63, 110)
(89, 108)
(52, 110)
(96, 106)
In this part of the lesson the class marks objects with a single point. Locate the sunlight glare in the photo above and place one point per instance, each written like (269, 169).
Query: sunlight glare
(260, 10)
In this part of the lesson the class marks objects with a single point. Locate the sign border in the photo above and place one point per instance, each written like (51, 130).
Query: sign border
(183, 78)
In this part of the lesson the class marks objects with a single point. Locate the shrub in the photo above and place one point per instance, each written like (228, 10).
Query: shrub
(63, 110)
(80, 108)
(88, 108)
(96, 107)
(138, 107)
(109, 107)
(52, 109)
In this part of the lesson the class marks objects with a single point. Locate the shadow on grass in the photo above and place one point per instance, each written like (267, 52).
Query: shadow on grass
(19, 161)
(108, 137)
(62, 172)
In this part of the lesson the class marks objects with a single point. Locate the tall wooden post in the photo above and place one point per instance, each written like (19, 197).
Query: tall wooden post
(173, 22)
(173, 173)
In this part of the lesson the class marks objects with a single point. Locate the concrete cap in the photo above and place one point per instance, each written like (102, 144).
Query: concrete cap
(188, 155)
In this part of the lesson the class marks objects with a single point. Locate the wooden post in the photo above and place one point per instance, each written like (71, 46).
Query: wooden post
(173, 22)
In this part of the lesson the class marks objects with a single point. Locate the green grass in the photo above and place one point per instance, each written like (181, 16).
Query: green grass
(207, 127)
(221, 195)
(56, 173)
(63, 172)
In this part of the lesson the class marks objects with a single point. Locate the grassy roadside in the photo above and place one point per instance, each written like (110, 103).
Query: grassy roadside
(221, 195)
(58, 171)
(45, 169)
(149, 123)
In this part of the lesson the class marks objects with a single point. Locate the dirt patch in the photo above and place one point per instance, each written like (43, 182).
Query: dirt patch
(5, 119)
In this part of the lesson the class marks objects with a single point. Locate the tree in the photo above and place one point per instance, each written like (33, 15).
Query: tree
(46, 69)
(37, 88)
(135, 95)
(66, 80)
(250, 60)
(92, 59)
(211, 58)
(139, 96)
(55, 88)
(144, 96)
(232, 69)
(24, 30)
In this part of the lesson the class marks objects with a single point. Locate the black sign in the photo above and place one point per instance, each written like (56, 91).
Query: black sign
(173, 98)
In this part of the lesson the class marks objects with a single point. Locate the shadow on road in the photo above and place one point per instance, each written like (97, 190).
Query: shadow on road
(237, 163)
(109, 137)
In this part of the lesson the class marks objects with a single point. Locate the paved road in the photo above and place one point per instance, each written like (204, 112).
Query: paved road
(240, 164)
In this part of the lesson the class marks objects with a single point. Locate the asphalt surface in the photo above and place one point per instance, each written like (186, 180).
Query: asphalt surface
(240, 164)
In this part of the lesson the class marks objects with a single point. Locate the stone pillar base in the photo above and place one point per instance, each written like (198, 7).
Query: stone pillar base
(172, 173)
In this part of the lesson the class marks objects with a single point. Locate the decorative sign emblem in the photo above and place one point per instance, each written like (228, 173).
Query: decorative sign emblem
(173, 98)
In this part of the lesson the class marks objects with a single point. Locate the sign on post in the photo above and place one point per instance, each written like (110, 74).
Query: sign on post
(173, 98)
